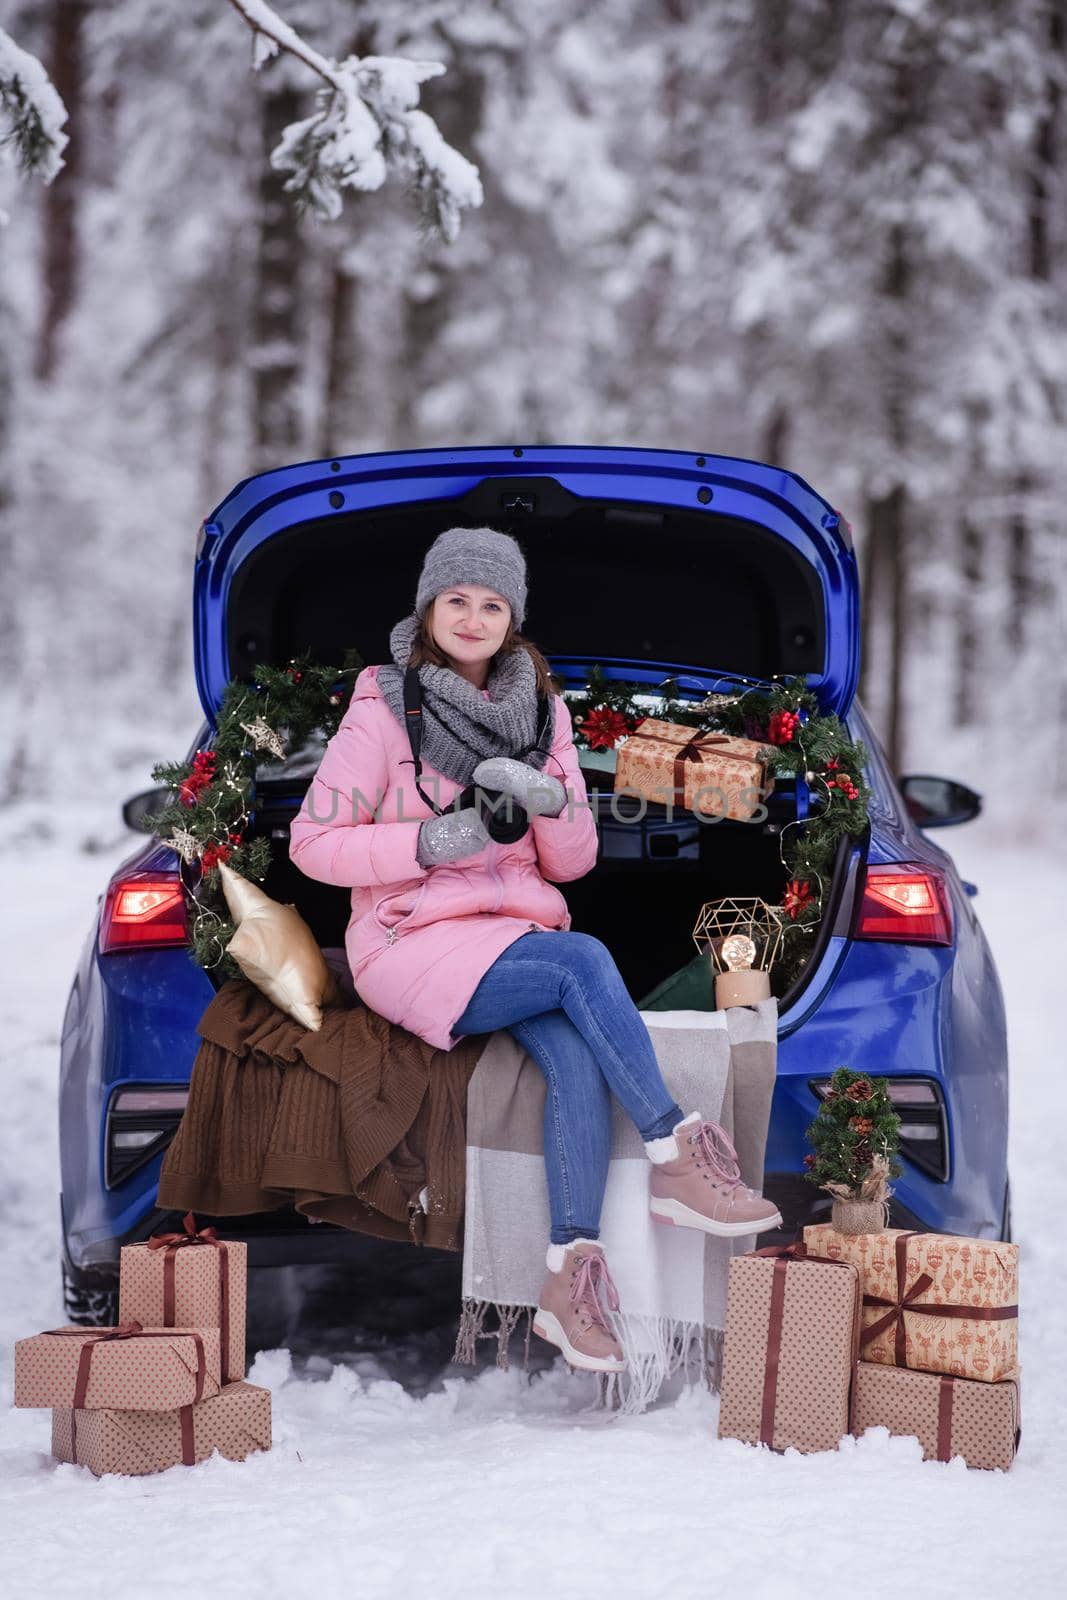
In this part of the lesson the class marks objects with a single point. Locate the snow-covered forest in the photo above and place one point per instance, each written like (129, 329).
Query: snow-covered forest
(831, 236)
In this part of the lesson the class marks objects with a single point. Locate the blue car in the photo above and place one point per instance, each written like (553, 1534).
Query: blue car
(652, 563)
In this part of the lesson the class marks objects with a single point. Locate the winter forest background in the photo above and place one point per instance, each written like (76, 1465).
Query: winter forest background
(826, 233)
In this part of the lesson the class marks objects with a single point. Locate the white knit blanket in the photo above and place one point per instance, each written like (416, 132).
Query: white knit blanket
(671, 1281)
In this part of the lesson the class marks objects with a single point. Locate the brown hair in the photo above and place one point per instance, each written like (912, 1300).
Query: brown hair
(425, 650)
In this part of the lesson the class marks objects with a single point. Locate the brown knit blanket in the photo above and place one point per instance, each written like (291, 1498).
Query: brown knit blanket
(350, 1123)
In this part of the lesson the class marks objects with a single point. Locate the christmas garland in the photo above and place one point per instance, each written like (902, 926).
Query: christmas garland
(266, 720)
(808, 745)
(207, 821)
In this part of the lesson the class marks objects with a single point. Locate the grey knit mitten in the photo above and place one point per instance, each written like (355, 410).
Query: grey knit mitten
(538, 793)
(450, 837)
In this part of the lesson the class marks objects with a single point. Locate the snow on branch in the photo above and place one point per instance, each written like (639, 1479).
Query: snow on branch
(31, 114)
(366, 126)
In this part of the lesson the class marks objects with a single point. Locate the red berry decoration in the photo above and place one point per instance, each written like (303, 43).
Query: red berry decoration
(201, 777)
(782, 726)
(213, 855)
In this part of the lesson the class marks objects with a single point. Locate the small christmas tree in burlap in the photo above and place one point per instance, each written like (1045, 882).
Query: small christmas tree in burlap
(855, 1137)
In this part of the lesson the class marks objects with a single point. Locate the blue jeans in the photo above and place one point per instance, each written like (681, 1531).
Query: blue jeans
(562, 997)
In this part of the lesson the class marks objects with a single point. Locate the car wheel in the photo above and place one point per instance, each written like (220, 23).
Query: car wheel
(89, 1304)
(1005, 1217)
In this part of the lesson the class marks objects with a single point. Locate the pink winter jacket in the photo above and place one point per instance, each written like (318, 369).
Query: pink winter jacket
(419, 941)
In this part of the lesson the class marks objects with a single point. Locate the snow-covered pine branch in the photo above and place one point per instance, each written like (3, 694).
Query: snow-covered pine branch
(366, 126)
(31, 114)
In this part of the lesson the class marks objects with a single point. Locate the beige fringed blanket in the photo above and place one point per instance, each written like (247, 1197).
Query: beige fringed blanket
(671, 1281)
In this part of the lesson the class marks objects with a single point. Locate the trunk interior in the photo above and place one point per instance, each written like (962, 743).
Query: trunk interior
(645, 586)
(642, 906)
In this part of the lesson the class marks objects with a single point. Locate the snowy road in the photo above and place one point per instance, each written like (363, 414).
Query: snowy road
(443, 1485)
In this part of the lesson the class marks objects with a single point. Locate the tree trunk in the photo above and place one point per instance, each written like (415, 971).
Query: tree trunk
(276, 321)
(1045, 153)
(59, 245)
(971, 549)
(885, 614)
(336, 423)
(1042, 253)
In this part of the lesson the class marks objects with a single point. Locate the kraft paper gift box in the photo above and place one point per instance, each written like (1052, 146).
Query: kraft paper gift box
(713, 774)
(235, 1423)
(933, 1301)
(792, 1328)
(189, 1280)
(135, 1368)
(949, 1416)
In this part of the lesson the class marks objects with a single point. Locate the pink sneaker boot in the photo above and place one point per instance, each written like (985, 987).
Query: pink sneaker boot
(696, 1183)
(569, 1313)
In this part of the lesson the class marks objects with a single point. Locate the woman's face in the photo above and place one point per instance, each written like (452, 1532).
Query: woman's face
(469, 623)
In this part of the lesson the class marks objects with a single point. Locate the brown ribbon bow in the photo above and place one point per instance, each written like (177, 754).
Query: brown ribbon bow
(172, 1243)
(783, 1255)
(692, 752)
(129, 1330)
(908, 1300)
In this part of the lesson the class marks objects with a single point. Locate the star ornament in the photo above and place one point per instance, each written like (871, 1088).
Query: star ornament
(187, 844)
(263, 736)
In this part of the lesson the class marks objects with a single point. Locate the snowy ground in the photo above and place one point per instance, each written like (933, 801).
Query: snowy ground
(394, 1473)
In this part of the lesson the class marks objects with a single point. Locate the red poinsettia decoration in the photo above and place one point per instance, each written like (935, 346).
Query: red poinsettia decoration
(202, 775)
(604, 728)
(782, 726)
(213, 855)
(797, 896)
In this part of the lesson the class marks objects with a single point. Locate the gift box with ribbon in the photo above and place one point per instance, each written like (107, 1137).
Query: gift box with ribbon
(949, 1416)
(235, 1422)
(191, 1279)
(135, 1368)
(790, 1350)
(711, 774)
(932, 1301)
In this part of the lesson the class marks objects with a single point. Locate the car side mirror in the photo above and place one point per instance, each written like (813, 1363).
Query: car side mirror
(939, 802)
(149, 803)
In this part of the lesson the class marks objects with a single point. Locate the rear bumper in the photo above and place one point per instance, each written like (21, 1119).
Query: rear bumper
(275, 1239)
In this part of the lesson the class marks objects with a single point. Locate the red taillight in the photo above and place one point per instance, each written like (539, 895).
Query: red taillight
(908, 904)
(144, 913)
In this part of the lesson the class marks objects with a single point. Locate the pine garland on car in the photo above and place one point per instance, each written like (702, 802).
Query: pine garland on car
(809, 745)
(265, 720)
(259, 723)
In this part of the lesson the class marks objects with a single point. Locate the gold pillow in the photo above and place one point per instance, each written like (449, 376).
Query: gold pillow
(277, 951)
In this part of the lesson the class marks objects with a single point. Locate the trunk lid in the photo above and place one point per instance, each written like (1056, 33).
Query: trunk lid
(652, 562)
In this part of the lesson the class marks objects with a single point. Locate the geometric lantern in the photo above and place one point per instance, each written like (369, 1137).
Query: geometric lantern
(742, 938)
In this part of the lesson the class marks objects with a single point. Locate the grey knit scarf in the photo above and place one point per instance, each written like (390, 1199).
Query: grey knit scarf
(460, 727)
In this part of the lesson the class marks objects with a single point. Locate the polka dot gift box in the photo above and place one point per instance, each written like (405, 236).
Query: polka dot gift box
(138, 1369)
(189, 1279)
(792, 1331)
(949, 1416)
(236, 1423)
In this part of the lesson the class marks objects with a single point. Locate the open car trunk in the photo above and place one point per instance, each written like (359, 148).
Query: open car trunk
(653, 564)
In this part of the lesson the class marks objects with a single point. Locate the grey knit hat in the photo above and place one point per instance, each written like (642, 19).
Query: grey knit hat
(474, 555)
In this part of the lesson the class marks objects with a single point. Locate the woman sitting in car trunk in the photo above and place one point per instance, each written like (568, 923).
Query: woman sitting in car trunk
(454, 933)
